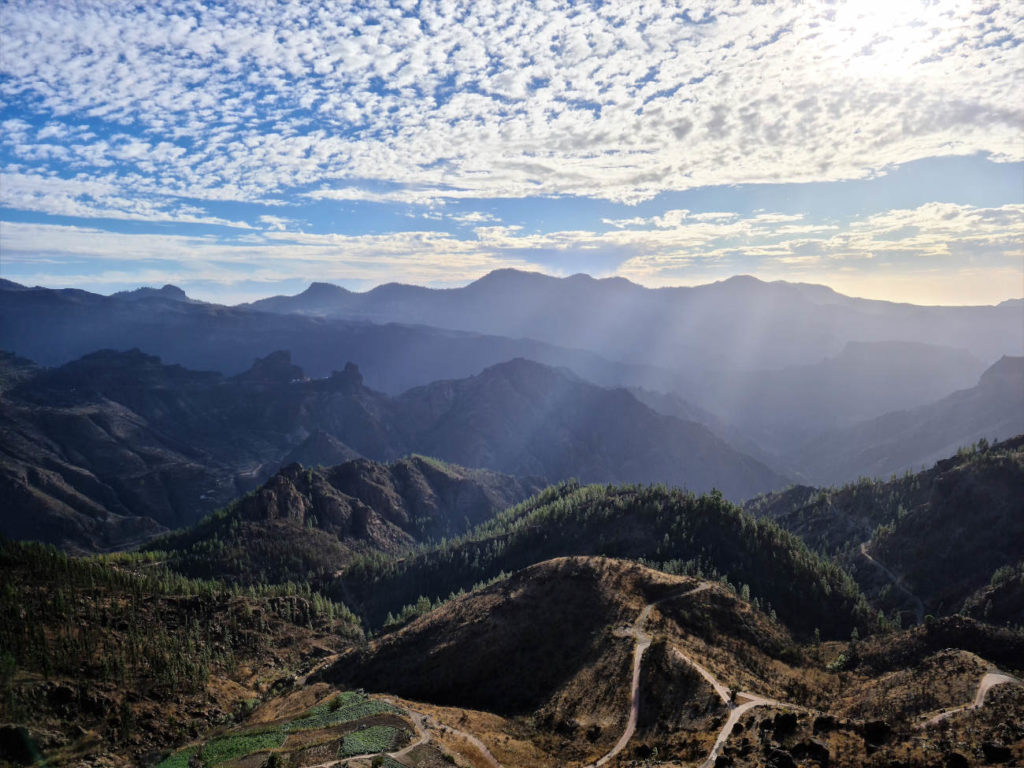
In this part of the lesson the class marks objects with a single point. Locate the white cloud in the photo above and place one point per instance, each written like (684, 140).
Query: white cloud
(100, 196)
(502, 99)
(268, 257)
(474, 217)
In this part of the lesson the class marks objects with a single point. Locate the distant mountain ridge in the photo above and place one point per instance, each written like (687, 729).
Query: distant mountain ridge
(685, 341)
(56, 326)
(709, 326)
(786, 415)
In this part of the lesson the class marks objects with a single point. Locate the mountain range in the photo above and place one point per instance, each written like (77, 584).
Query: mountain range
(738, 324)
(805, 409)
(109, 448)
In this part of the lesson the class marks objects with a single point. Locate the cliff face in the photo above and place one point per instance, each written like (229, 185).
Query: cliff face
(308, 523)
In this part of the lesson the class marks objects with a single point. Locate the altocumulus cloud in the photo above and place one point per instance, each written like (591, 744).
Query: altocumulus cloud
(617, 99)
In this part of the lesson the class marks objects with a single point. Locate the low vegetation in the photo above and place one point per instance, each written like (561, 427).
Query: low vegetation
(122, 647)
(696, 535)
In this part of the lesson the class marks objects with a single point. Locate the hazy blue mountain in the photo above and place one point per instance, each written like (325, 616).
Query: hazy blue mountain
(169, 292)
(740, 323)
(915, 438)
(528, 419)
(864, 380)
(694, 334)
(54, 327)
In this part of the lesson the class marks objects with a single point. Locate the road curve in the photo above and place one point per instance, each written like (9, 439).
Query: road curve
(421, 720)
(643, 642)
(424, 737)
(721, 690)
(897, 582)
(490, 759)
(734, 717)
(988, 681)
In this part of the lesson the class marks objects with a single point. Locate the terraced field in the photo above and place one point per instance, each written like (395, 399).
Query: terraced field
(341, 730)
(346, 724)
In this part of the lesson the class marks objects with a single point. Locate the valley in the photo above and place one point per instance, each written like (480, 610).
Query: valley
(511, 384)
(544, 553)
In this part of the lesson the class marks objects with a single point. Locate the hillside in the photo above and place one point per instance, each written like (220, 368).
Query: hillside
(524, 418)
(566, 662)
(541, 644)
(118, 661)
(972, 526)
(1001, 601)
(993, 409)
(115, 447)
(945, 530)
(539, 668)
(106, 450)
(306, 524)
(703, 536)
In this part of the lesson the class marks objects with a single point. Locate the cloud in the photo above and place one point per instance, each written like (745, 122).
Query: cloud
(99, 197)
(930, 237)
(474, 217)
(278, 223)
(248, 102)
(91, 256)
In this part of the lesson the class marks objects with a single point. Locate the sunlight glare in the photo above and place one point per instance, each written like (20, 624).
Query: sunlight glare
(883, 38)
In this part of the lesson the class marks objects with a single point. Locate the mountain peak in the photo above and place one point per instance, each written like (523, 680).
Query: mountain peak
(742, 280)
(322, 290)
(169, 292)
(509, 275)
(348, 379)
(275, 368)
(1005, 369)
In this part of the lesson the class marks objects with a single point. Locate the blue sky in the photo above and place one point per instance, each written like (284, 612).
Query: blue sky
(243, 150)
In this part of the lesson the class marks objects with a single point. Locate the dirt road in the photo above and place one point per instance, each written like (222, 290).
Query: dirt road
(737, 712)
(897, 582)
(643, 642)
(988, 681)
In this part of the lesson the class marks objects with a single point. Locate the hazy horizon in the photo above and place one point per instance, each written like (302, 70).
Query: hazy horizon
(356, 286)
(241, 151)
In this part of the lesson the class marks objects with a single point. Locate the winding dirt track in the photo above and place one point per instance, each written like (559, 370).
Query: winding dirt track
(988, 681)
(420, 722)
(897, 582)
(424, 737)
(737, 712)
(721, 690)
(747, 700)
(643, 642)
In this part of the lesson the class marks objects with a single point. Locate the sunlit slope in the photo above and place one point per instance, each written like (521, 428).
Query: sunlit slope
(702, 535)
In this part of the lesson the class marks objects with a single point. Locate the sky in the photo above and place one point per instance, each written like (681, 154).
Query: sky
(244, 150)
